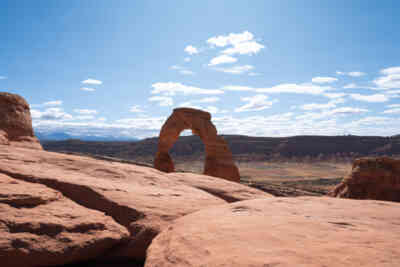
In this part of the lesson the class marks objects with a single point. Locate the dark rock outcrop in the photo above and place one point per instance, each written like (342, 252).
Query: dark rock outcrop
(371, 178)
(16, 122)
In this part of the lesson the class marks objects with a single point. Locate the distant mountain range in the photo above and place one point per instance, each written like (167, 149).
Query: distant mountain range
(62, 136)
(244, 148)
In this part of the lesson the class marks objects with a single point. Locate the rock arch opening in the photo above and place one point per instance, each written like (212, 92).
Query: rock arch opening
(218, 158)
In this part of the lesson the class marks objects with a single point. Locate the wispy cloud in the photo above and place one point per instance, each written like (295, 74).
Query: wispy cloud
(88, 89)
(86, 111)
(255, 103)
(136, 109)
(52, 103)
(351, 73)
(222, 59)
(323, 80)
(304, 88)
(235, 69)
(376, 98)
(172, 88)
(92, 81)
(390, 80)
(163, 101)
(191, 50)
(50, 114)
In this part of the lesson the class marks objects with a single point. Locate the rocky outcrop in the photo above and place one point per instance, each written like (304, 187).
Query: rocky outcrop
(41, 227)
(143, 200)
(218, 162)
(304, 231)
(371, 178)
(16, 122)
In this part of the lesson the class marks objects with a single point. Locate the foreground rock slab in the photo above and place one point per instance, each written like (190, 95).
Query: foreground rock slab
(371, 178)
(304, 231)
(40, 227)
(141, 199)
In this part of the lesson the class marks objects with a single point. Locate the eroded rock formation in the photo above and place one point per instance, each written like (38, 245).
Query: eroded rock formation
(303, 231)
(218, 162)
(16, 122)
(371, 178)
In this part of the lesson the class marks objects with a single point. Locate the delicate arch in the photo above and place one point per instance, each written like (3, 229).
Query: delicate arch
(219, 160)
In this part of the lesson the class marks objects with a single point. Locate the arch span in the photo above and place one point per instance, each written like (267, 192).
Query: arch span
(219, 160)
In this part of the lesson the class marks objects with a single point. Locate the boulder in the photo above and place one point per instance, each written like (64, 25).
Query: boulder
(219, 160)
(141, 199)
(16, 122)
(371, 178)
(303, 231)
(41, 227)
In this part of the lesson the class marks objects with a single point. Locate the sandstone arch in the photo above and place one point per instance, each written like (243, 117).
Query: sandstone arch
(218, 162)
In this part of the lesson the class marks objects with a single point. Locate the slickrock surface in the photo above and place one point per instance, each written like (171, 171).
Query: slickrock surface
(16, 122)
(371, 178)
(304, 231)
(40, 227)
(143, 200)
(218, 162)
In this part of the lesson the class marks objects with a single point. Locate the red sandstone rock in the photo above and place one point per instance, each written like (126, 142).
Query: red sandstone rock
(16, 123)
(143, 200)
(40, 227)
(304, 231)
(218, 162)
(371, 178)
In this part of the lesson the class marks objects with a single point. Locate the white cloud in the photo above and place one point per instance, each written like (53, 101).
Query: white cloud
(246, 48)
(390, 71)
(236, 69)
(136, 109)
(351, 73)
(186, 72)
(50, 114)
(172, 88)
(356, 73)
(191, 50)
(222, 59)
(391, 80)
(85, 111)
(84, 117)
(88, 89)
(212, 109)
(394, 106)
(255, 103)
(242, 43)
(376, 98)
(347, 110)
(53, 103)
(350, 86)
(187, 59)
(208, 100)
(92, 81)
(392, 111)
(324, 80)
(314, 106)
(230, 39)
(334, 95)
(254, 74)
(304, 88)
(163, 101)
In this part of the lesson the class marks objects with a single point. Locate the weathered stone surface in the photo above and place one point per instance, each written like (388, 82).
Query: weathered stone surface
(142, 199)
(40, 227)
(304, 231)
(371, 178)
(16, 123)
(218, 162)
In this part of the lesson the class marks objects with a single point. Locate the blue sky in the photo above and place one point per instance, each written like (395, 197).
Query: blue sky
(262, 68)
